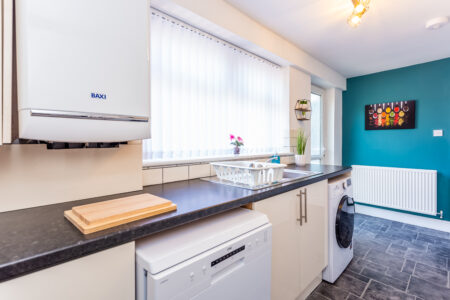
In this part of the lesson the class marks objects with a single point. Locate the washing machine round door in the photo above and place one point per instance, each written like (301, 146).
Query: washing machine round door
(345, 220)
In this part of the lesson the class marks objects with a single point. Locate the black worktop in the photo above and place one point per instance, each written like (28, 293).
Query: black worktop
(37, 238)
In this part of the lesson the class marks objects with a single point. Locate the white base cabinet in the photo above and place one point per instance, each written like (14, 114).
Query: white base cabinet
(299, 238)
(106, 275)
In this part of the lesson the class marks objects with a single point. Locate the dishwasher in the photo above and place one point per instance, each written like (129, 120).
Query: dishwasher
(223, 257)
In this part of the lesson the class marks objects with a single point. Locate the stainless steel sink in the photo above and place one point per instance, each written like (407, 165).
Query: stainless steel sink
(289, 175)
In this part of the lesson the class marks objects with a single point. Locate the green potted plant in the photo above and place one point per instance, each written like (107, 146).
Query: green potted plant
(302, 140)
(304, 104)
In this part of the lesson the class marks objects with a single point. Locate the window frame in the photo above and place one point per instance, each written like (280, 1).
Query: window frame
(321, 93)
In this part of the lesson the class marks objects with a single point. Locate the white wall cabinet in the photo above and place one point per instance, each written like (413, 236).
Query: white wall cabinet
(300, 230)
(105, 275)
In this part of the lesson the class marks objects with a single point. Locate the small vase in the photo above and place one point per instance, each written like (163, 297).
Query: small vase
(237, 150)
(300, 160)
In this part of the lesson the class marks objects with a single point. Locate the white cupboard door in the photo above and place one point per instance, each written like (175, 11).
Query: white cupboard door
(282, 211)
(105, 275)
(314, 232)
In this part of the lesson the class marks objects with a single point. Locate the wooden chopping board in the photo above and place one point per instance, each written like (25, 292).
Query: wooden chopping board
(98, 216)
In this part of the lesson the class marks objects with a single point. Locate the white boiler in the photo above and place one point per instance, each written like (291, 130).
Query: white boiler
(83, 70)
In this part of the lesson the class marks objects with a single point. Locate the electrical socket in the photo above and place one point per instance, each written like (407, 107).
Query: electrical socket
(438, 132)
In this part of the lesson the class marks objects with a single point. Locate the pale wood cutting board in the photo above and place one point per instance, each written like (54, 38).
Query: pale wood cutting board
(98, 216)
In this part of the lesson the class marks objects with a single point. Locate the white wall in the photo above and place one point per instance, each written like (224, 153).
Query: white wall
(225, 21)
(332, 122)
(338, 127)
(31, 175)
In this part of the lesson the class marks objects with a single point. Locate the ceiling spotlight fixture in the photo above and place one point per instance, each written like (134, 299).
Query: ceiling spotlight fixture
(360, 7)
(436, 23)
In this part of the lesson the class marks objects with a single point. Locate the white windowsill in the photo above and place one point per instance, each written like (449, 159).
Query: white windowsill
(151, 164)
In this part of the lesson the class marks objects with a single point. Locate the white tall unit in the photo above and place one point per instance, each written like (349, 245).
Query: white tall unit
(83, 70)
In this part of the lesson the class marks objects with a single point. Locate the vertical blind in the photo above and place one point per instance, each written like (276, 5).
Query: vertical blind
(203, 89)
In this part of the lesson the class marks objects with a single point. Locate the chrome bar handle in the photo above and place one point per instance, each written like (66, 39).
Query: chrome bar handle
(300, 196)
(305, 192)
(300, 218)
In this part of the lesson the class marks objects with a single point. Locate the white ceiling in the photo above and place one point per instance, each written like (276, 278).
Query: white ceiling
(392, 33)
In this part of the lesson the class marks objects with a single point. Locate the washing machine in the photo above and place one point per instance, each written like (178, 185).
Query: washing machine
(341, 216)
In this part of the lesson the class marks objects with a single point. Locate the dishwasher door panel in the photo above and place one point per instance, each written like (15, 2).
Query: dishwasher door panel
(237, 269)
(247, 281)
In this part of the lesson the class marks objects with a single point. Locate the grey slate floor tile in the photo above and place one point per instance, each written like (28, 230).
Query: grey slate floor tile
(351, 284)
(317, 296)
(393, 260)
(429, 259)
(357, 265)
(397, 250)
(385, 259)
(353, 297)
(428, 231)
(360, 249)
(427, 238)
(330, 291)
(439, 250)
(400, 275)
(380, 277)
(430, 274)
(357, 275)
(415, 244)
(408, 267)
(427, 290)
(443, 242)
(380, 291)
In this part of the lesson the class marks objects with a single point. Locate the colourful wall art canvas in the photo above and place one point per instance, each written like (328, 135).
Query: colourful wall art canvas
(391, 115)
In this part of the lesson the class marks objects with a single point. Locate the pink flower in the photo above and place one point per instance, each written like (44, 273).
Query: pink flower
(240, 139)
(231, 137)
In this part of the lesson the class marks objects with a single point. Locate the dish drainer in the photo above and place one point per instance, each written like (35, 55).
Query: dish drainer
(249, 173)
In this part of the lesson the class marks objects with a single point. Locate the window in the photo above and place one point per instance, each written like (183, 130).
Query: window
(203, 89)
(316, 125)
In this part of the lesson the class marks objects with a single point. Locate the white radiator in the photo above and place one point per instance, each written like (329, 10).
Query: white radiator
(405, 189)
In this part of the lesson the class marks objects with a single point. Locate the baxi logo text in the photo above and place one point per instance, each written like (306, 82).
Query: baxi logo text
(98, 96)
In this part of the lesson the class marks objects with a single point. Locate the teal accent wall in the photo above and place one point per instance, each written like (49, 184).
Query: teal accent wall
(427, 83)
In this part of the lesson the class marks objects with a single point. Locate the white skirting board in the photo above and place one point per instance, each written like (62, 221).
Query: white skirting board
(403, 217)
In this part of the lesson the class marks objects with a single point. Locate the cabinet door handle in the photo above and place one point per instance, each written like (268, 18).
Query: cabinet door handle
(300, 218)
(300, 196)
(306, 205)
